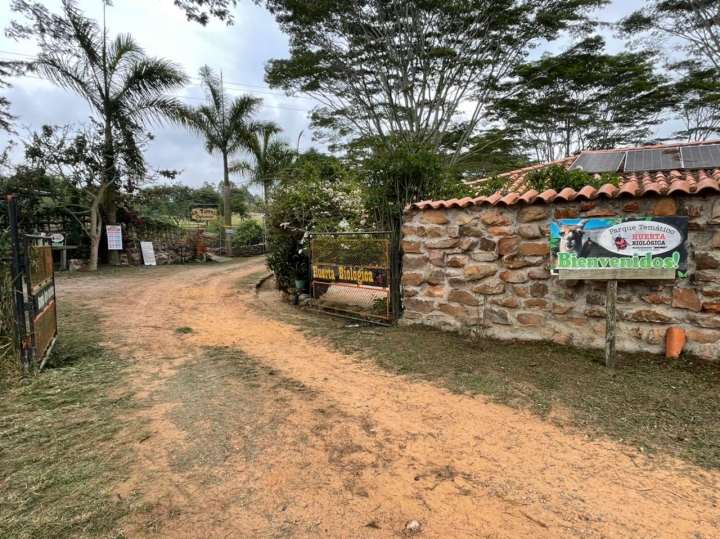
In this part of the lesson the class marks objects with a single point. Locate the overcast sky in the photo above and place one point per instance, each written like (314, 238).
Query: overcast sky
(240, 51)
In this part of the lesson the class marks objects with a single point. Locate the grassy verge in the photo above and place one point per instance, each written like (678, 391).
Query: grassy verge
(670, 407)
(57, 457)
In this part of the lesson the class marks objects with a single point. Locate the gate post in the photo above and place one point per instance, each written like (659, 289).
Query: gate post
(16, 274)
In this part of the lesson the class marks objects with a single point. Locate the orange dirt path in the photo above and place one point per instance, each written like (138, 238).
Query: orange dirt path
(365, 451)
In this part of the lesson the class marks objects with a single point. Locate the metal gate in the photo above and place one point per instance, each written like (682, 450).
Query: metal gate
(354, 275)
(33, 278)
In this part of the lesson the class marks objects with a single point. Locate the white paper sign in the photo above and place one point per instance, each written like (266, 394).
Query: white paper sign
(114, 236)
(148, 253)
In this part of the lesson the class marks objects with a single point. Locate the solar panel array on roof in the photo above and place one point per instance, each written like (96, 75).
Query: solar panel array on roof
(701, 156)
(598, 162)
(651, 160)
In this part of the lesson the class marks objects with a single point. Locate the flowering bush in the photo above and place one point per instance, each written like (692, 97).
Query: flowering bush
(315, 194)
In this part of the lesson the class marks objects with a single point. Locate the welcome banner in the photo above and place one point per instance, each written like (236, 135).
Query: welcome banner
(357, 275)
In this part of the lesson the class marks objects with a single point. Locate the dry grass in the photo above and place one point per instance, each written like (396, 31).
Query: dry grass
(666, 407)
(57, 454)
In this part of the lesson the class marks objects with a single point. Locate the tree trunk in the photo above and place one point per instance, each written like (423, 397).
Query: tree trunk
(111, 200)
(95, 232)
(228, 211)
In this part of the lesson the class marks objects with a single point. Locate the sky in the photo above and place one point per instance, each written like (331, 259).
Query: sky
(239, 51)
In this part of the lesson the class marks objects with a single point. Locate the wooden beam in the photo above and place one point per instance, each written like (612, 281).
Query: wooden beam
(602, 274)
(610, 319)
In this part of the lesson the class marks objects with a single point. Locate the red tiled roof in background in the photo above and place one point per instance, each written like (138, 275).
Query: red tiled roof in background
(682, 181)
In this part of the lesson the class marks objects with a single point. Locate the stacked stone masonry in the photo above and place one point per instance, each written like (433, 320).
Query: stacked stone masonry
(487, 267)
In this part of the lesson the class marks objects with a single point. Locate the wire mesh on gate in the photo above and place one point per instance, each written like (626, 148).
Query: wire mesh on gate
(352, 275)
(41, 264)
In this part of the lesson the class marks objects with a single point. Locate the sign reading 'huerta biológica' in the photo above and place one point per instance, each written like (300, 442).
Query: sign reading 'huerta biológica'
(650, 243)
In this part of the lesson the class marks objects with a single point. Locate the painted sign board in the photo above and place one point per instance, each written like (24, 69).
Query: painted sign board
(57, 240)
(634, 248)
(357, 275)
(114, 237)
(204, 214)
(148, 253)
(44, 297)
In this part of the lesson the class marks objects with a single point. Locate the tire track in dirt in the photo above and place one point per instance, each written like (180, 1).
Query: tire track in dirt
(369, 450)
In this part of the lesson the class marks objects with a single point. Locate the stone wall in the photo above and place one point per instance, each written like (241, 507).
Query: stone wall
(166, 252)
(488, 267)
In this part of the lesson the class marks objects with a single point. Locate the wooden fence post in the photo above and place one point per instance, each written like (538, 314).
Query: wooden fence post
(611, 315)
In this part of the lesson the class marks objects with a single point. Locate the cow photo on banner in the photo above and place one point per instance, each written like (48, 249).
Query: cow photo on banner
(642, 244)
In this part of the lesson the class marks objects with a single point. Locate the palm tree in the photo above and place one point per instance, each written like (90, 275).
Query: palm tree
(226, 125)
(268, 155)
(123, 86)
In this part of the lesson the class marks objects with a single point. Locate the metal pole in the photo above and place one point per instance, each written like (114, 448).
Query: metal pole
(17, 282)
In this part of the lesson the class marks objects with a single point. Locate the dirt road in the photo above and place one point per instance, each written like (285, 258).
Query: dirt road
(280, 436)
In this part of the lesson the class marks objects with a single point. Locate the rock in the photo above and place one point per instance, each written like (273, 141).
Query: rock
(442, 243)
(437, 291)
(566, 213)
(453, 231)
(413, 230)
(457, 261)
(497, 316)
(419, 305)
(475, 273)
(716, 240)
(715, 213)
(530, 319)
(464, 297)
(433, 217)
(465, 219)
(538, 290)
(646, 315)
(686, 298)
(601, 213)
(521, 291)
(435, 231)
(507, 246)
(413, 526)
(500, 231)
(632, 207)
(530, 232)
(711, 292)
(436, 258)
(595, 312)
(657, 299)
(704, 337)
(415, 261)
(704, 277)
(534, 249)
(513, 276)
(704, 261)
(713, 307)
(539, 273)
(412, 279)
(532, 213)
(407, 293)
(453, 310)
(709, 321)
(77, 265)
(483, 256)
(435, 277)
(504, 302)
(656, 336)
(472, 230)
(486, 244)
(495, 218)
(559, 308)
(664, 207)
(491, 287)
(587, 206)
(535, 303)
(520, 261)
(467, 244)
(409, 246)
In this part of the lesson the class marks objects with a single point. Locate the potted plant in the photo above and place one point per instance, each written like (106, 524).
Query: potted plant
(300, 273)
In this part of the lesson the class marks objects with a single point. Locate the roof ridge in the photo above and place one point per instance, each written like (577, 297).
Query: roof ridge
(655, 146)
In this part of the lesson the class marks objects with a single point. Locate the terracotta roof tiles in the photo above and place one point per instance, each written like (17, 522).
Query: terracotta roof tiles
(637, 184)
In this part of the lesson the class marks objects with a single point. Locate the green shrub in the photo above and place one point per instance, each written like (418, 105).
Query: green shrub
(248, 232)
(558, 178)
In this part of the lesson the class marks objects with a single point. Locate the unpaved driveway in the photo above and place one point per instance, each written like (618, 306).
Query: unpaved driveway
(280, 436)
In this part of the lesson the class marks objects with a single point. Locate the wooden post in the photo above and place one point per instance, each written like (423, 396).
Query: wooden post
(610, 323)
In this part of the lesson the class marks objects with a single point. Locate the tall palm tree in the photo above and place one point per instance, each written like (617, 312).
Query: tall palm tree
(226, 125)
(124, 87)
(268, 155)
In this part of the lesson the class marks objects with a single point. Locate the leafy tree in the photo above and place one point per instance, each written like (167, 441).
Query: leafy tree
(124, 87)
(8, 69)
(206, 196)
(172, 201)
(78, 157)
(249, 232)
(697, 91)
(402, 70)
(226, 125)
(202, 11)
(583, 98)
(690, 27)
(268, 154)
(238, 202)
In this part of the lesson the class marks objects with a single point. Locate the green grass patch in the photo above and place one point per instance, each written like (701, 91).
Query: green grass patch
(58, 456)
(249, 280)
(671, 407)
(184, 330)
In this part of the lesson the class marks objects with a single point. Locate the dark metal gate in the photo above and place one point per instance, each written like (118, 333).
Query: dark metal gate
(355, 275)
(34, 292)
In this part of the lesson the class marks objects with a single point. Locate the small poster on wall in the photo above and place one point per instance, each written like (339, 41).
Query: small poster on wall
(114, 236)
(148, 253)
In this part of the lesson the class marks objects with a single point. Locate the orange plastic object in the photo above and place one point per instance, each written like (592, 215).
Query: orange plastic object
(674, 342)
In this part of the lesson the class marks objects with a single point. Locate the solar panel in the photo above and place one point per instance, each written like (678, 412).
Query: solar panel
(598, 162)
(658, 159)
(701, 156)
